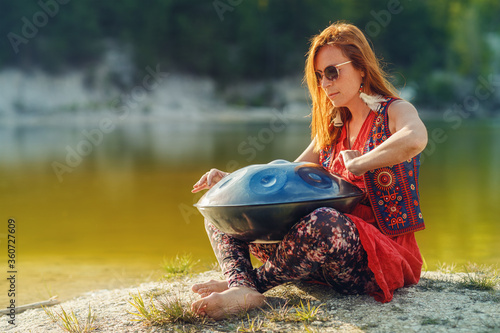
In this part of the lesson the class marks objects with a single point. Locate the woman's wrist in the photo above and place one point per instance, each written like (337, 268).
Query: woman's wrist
(355, 166)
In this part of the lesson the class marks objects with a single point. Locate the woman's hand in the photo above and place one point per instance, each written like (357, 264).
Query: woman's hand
(349, 157)
(208, 180)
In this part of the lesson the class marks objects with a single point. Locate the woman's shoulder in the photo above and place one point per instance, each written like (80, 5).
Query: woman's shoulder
(402, 113)
(399, 104)
(401, 109)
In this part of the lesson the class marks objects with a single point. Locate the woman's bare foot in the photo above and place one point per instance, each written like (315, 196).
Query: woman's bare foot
(228, 302)
(212, 286)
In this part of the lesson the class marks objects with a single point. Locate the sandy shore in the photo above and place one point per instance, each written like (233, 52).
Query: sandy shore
(437, 304)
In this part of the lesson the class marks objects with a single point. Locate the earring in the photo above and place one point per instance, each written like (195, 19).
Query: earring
(337, 122)
(373, 101)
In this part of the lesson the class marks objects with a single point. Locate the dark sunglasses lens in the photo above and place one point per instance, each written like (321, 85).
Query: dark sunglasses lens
(331, 73)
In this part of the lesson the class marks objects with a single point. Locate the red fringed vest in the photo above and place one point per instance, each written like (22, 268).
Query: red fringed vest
(393, 190)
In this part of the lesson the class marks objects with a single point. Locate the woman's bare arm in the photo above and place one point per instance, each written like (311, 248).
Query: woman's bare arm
(408, 139)
(309, 155)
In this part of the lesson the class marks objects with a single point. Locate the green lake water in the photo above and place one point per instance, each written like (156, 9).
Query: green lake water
(114, 215)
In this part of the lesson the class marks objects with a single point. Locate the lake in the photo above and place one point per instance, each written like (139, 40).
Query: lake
(99, 204)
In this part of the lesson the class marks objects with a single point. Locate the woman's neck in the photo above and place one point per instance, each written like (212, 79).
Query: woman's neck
(359, 114)
(359, 111)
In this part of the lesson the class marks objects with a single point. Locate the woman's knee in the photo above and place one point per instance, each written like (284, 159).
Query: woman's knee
(325, 216)
(324, 223)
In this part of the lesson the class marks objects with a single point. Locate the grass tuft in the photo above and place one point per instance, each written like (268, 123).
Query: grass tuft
(306, 313)
(69, 322)
(178, 266)
(254, 325)
(163, 310)
(446, 269)
(278, 313)
(480, 277)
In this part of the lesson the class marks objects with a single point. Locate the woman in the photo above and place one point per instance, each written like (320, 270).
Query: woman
(371, 141)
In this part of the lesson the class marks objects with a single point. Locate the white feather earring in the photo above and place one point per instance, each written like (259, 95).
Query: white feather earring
(373, 101)
(337, 122)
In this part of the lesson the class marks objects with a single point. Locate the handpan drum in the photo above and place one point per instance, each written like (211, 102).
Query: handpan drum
(260, 203)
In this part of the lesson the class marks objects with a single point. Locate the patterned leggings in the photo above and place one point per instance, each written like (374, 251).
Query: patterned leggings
(324, 246)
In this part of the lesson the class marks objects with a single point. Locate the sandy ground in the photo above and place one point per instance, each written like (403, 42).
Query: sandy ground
(437, 304)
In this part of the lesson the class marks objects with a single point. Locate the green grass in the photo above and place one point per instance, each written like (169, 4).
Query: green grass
(252, 325)
(178, 266)
(306, 313)
(285, 313)
(471, 276)
(446, 269)
(278, 313)
(69, 322)
(162, 310)
(480, 277)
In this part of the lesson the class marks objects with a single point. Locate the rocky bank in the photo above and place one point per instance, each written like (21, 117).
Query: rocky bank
(439, 303)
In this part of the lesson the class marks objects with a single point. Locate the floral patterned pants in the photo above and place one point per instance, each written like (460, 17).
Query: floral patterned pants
(324, 246)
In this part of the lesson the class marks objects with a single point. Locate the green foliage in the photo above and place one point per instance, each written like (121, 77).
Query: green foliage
(178, 266)
(258, 39)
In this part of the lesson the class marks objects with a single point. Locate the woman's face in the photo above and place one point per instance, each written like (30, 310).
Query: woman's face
(344, 91)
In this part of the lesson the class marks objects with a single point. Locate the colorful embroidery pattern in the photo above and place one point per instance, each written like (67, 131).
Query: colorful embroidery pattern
(393, 191)
(386, 179)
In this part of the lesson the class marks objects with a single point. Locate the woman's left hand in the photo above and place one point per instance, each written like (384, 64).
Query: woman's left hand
(350, 159)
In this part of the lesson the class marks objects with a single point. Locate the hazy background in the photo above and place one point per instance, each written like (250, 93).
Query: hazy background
(111, 110)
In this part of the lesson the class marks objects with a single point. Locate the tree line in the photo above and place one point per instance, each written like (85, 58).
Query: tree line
(431, 43)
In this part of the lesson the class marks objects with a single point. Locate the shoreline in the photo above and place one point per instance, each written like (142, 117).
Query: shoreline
(439, 303)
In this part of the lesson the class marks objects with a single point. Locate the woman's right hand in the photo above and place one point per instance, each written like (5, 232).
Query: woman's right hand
(208, 180)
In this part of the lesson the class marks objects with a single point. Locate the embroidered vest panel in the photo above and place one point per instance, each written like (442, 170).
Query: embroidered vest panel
(393, 191)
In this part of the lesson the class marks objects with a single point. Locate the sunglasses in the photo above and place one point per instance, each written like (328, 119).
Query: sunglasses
(331, 72)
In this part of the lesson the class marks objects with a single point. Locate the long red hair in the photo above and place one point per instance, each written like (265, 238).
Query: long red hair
(356, 48)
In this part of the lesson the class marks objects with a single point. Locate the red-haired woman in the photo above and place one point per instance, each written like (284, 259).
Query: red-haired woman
(362, 131)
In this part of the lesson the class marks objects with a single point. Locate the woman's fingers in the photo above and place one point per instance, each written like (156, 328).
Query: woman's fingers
(200, 184)
(208, 180)
(199, 188)
(348, 155)
(210, 177)
(214, 176)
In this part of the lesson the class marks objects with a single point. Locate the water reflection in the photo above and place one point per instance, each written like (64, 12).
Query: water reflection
(460, 196)
(128, 203)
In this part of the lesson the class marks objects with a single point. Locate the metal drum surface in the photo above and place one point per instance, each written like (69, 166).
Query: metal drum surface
(261, 202)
